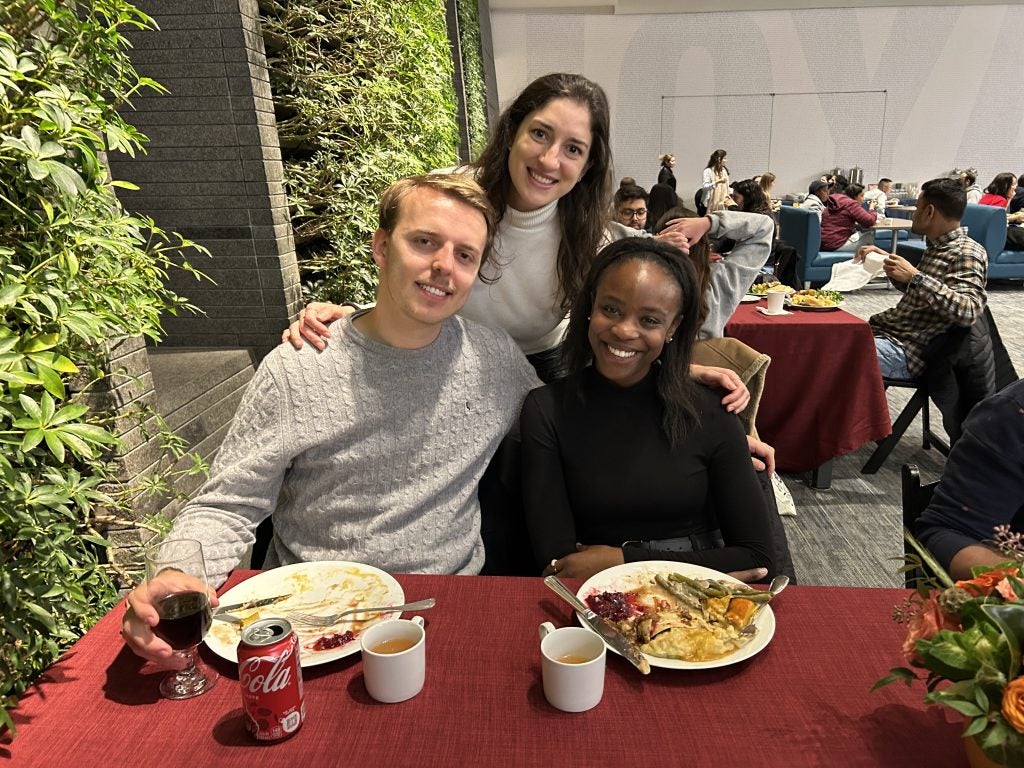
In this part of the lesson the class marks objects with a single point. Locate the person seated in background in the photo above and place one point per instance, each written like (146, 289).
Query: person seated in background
(1017, 201)
(817, 194)
(982, 486)
(969, 181)
(723, 282)
(999, 192)
(371, 450)
(880, 197)
(766, 181)
(626, 459)
(666, 174)
(662, 198)
(630, 206)
(840, 220)
(946, 288)
(837, 184)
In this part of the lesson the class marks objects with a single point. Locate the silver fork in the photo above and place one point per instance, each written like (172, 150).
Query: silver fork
(312, 620)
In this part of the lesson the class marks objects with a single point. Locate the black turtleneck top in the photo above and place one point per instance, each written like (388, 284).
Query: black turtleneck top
(599, 469)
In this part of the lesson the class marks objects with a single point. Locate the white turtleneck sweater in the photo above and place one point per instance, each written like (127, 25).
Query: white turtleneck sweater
(524, 301)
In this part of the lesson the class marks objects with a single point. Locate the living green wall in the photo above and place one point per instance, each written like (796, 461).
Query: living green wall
(363, 95)
(473, 74)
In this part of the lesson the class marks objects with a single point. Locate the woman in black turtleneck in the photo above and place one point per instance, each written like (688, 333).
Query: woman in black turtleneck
(627, 456)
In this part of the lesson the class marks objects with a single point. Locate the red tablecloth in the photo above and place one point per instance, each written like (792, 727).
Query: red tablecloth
(803, 701)
(823, 393)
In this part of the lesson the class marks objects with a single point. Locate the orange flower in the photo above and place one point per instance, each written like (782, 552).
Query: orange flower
(923, 624)
(1013, 704)
(985, 582)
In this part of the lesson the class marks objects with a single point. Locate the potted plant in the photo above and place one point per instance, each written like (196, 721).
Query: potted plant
(964, 640)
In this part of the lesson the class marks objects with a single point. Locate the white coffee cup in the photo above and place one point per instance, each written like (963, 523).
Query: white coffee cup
(572, 662)
(394, 659)
(775, 300)
(873, 261)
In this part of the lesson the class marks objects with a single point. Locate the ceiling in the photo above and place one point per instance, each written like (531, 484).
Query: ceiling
(702, 6)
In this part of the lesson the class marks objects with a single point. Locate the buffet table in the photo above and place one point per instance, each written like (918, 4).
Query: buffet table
(823, 393)
(805, 700)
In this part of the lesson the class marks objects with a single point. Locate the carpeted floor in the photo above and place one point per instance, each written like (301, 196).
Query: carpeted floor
(851, 534)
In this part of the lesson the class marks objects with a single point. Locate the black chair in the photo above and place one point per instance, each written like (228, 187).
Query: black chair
(916, 498)
(939, 357)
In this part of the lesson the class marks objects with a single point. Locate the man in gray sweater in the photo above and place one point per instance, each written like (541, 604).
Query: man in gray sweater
(371, 450)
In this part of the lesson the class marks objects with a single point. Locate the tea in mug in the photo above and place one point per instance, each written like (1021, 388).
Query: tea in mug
(394, 645)
(573, 658)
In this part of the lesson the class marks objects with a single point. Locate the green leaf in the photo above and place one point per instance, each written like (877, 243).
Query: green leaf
(37, 170)
(66, 179)
(8, 295)
(41, 342)
(1010, 620)
(52, 382)
(33, 437)
(42, 615)
(56, 446)
(976, 726)
(31, 138)
(896, 674)
(51, 149)
(963, 707)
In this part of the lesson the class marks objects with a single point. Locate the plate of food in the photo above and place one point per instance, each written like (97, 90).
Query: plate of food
(814, 300)
(682, 616)
(323, 588)
(760, 289)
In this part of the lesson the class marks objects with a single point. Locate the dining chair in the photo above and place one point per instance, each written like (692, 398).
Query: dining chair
(939, 357)
(916, 496)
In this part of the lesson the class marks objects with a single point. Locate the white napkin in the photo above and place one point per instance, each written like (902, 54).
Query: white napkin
(849, 276)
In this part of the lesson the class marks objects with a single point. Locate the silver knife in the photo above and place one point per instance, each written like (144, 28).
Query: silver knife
(249, 604)
(607, 631)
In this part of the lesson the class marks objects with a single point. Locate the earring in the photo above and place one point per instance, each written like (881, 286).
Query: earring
(588, 318)
(669, 340)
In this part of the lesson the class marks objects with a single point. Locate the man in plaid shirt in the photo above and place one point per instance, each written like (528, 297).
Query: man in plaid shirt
(947, 288)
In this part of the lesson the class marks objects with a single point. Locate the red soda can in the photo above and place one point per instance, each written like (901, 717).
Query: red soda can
(271, 680)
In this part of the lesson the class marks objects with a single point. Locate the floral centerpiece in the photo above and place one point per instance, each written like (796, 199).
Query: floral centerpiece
(964, 639)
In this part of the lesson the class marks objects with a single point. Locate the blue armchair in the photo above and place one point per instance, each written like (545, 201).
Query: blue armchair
(986, 225)
(801, 228)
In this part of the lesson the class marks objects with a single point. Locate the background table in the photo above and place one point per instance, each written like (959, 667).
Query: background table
(803, 701)
(823, 393)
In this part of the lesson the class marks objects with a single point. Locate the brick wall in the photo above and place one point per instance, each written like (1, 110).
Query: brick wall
(213, 169)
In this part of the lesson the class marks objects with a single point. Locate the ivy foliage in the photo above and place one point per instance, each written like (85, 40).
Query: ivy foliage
(473, 74)
(76, 271)
(363, 95)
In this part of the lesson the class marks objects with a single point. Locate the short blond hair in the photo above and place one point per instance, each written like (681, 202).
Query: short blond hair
(457, 186)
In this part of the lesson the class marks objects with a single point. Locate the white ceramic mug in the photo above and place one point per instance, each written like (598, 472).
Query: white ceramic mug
(775, 300)
(572, 662)
(393, 676)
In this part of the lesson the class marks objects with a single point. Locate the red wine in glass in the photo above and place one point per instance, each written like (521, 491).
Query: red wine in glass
(184, 619)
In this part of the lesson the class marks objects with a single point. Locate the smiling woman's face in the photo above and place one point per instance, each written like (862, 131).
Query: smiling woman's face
(637, 307)
(549, 154)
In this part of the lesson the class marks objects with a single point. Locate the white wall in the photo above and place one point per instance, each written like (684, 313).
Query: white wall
(942, 88)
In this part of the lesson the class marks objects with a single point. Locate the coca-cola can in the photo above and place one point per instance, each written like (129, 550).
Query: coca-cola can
(271, 680)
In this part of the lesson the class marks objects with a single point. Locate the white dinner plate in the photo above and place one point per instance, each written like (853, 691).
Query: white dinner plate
(324, 588)
(622, 578)
(750, 298)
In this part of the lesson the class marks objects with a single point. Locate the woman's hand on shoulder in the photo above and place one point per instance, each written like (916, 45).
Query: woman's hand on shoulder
(738, 396)
(312, 324)
(585, 561)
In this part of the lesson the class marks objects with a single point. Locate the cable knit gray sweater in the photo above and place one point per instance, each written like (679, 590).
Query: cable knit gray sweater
(363, 452)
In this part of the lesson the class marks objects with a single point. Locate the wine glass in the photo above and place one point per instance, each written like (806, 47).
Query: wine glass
(179, 590)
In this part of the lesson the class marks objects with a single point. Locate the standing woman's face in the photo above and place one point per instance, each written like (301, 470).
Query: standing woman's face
(549, 154)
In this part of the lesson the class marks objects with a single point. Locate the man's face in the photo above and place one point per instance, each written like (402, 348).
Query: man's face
(632, 213)
(923, 215)
(886, 187)
(431, 259)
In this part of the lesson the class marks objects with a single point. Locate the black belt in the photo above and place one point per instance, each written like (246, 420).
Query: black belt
(692, 543)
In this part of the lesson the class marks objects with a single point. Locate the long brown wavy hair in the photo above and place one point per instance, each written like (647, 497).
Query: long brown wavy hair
(582, 211)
